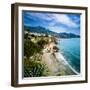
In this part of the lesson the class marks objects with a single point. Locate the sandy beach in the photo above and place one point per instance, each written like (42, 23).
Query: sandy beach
(57, 64)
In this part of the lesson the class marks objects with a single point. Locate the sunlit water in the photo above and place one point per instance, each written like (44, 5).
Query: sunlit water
(70, 49)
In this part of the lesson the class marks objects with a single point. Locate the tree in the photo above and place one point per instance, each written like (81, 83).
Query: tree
(41, 43)
(35, 68)
(30, 48)
(26, 36)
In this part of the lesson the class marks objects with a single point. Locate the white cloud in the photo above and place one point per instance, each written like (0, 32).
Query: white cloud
(40, 15)
(53, 20)
(58, 29)
(64, 19)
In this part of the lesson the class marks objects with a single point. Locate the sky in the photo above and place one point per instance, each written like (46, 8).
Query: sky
(69, 23)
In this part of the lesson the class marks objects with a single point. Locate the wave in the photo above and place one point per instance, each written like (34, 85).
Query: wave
(60, 57)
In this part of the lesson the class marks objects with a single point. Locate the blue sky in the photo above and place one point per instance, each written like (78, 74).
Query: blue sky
(56, 22)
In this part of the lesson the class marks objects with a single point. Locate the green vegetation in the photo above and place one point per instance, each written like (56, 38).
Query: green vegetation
(30, 48)
(41, 43)
(34, 68)
(33, 65)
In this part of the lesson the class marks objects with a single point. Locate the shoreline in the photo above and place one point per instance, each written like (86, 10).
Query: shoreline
(55, 61)
(66, 62)
(57, 64)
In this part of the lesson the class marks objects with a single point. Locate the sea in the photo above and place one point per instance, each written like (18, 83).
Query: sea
(70, 49)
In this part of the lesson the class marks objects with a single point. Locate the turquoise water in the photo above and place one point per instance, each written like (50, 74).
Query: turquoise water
(70, 48)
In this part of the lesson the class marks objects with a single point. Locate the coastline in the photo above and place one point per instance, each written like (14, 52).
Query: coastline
(57, 64)
(46, 54)
(59, 55)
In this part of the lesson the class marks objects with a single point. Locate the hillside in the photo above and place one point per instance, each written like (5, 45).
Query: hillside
(43, 30)
(40, 29)
(68, 35)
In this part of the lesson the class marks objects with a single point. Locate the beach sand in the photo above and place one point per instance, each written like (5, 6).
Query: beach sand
(57, 64)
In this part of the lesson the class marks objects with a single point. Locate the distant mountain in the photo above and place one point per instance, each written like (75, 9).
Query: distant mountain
(68, 35)
(39, 29)
(43, 30)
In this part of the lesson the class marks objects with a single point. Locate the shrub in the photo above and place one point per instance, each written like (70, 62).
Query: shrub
(30, 48)
(41, 43)
(34, 68)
